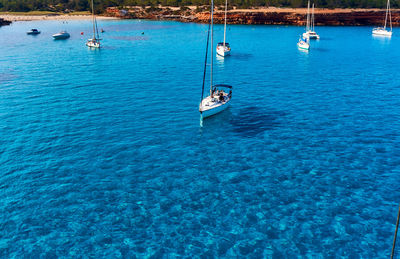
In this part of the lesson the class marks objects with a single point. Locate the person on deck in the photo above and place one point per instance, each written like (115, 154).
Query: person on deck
(221, 96)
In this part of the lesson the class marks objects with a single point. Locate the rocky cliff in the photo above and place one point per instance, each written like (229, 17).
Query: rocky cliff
(335, 17)
(354, 18)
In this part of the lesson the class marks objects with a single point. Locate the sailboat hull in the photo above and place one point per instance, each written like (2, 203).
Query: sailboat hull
(223, 51)
(216, 110)
(210, 106)
(381, 32)
(92, 44)
(311, 35)
(303, 45)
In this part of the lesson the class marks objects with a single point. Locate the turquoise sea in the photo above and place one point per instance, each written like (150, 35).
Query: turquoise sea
(102, 155)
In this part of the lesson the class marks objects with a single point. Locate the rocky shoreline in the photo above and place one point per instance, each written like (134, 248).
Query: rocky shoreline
(267, 16)
(4, 22)
(321, 19)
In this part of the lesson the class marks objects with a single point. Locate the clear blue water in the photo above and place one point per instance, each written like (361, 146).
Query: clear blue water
(101, 153)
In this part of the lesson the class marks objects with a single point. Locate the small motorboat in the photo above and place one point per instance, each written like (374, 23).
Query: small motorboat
(33, 32)
(61, 35)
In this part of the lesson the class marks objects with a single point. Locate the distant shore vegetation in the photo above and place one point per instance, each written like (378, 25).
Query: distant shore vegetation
(101, 5)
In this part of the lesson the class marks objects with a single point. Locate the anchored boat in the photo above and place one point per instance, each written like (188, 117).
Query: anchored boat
(383, 31)
(310, 26)
(303, 43)
(94, 42)
(217, 101)
(223, 48)
(219, 98)
(61, 35)
(33, 32)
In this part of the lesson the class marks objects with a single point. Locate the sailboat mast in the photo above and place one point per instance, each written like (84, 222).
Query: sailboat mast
(212, 45)
(226, 10)
(94, 26)
(387, 6)
(97, 29)
(308, 17)
(205, 62)
(390, 16)
(312, 18)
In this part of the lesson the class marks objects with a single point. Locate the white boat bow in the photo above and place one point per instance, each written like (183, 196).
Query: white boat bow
(303, 43)
(223, 50)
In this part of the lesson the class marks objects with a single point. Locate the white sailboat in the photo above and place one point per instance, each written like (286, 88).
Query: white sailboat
(303, 43)
(95, 41)
(219, 99)
(223, 48)
(310, 27)
(383, 31)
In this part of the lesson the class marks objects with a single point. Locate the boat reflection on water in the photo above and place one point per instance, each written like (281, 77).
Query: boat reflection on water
(220, 61)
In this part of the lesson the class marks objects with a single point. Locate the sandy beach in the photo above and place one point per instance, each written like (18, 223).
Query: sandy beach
(27, 17)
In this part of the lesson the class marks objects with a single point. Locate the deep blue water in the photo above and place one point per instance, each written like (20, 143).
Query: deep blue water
(101, 153)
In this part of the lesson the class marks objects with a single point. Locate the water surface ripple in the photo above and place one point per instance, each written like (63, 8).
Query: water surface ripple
(101, 153)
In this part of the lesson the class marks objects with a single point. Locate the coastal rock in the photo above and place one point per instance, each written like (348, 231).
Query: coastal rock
(4, 22)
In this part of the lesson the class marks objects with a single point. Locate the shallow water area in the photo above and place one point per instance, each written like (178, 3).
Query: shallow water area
(102, 155)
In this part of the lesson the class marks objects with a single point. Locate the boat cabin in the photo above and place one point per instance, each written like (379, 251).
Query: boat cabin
(222, 44)
(221, 92)
(33, 31)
